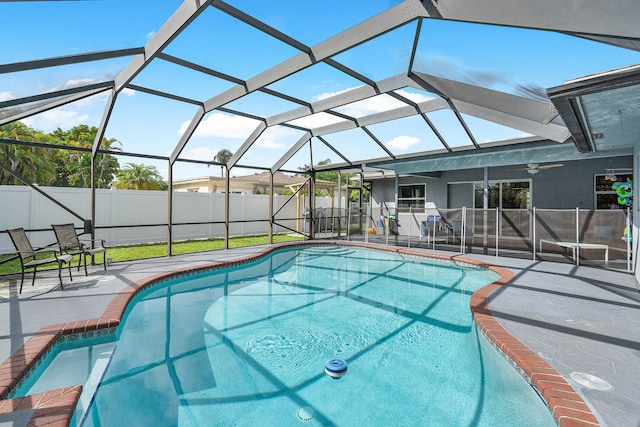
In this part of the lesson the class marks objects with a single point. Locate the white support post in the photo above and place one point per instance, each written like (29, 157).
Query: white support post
(434, 230)
(366, 224)
(577, 251)
(410, 221)
(348, 222)
(210, 216)
(386, 230)
(304, 222)
(463, 229)
(497, 228)
(333, 222)
(243, 202)
(534, 233)
(326, 225)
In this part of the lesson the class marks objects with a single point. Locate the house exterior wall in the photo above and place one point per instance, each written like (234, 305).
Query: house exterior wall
(218, 185)
(564, 187)
(459, 195)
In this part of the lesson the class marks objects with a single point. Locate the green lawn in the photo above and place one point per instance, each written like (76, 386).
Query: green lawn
(129, 253)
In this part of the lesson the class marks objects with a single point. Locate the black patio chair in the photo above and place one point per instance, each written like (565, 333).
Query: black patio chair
(26, 251)
(71, 244)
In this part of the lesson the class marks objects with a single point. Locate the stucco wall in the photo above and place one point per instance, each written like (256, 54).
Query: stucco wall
(565, 187)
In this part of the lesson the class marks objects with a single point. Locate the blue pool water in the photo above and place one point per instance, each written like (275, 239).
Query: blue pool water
(247, 346)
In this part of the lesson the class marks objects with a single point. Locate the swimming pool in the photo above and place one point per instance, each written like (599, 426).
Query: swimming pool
(247, 345)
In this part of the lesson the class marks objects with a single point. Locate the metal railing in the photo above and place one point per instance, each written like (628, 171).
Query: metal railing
(579, 236)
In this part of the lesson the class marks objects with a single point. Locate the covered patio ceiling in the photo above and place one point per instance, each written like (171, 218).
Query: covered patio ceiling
(393, 105)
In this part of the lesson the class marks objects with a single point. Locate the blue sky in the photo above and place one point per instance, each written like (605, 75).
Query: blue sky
(500, 58)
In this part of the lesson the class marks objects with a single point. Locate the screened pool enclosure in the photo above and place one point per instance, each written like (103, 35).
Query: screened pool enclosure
(399, 88)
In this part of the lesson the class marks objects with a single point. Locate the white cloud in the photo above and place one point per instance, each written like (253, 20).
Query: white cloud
(66, 116)
(415, 97)
(376, 104)
(50, 120)
(74, 83)
(200, 153)
(326, 95)
(150, 34)
(128, 92)
(403, 142)
(222, 125)
(316, 120)
(272, 137)
(5, 96)
(269, 143)
(85, 102)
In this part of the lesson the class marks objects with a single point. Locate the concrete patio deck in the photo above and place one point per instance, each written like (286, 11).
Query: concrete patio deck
(585, 322)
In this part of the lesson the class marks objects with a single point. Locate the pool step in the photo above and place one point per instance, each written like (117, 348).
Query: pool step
(91, 386)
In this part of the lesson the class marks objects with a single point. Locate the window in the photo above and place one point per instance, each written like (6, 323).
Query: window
(505, 195)
(513, 198)
(608, 197)
(413, 196)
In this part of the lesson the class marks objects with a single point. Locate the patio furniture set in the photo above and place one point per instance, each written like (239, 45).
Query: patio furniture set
(68, 245)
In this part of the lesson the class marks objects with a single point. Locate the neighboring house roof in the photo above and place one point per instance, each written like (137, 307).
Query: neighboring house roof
(279, 180)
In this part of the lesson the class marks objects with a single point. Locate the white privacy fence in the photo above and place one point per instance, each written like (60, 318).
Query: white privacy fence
(128, 216)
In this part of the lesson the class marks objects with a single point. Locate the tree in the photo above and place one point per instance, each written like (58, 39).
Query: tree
(223, 157)
(36, 165)
(55, 166)
(139, 177)
(75, 168)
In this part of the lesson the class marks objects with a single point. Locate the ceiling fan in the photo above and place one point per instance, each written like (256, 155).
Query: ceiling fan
(534, 168)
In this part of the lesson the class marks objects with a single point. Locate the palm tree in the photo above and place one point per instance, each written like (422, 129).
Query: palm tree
(139, 177)
(223, 157)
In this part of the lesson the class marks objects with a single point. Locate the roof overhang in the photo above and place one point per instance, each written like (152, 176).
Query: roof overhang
(514, 154)
(591, 105)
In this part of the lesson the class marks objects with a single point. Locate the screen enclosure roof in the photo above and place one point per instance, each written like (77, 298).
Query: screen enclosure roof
(415, 86)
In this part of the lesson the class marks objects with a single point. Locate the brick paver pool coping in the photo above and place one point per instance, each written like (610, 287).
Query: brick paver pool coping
(55, 408)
